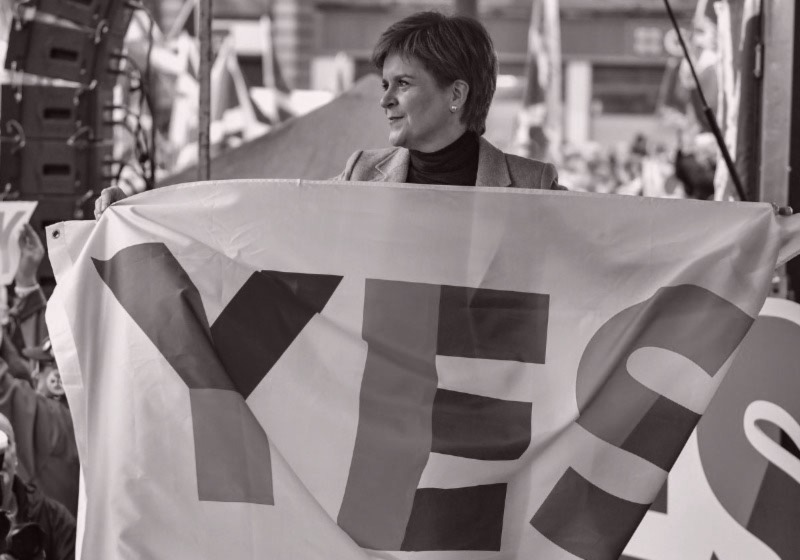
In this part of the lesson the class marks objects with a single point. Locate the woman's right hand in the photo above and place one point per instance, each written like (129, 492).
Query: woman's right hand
(108, 196)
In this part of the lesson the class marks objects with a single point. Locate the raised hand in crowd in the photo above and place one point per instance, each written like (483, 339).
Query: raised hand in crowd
(31, 255)
(26, 325)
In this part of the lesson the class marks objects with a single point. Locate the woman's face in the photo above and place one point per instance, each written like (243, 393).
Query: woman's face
(417, 108)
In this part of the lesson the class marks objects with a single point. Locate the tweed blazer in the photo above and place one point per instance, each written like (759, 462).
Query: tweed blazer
(495, 168)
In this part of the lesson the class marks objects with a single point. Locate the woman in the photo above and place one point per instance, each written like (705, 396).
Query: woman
(439, 77)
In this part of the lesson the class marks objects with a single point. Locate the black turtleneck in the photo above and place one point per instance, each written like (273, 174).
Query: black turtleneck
(456, 164)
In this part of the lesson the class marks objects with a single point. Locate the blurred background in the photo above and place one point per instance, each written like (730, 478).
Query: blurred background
(603, 69)
(102, 92)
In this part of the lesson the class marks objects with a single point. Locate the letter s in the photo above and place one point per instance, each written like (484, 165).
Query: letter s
(614, 406)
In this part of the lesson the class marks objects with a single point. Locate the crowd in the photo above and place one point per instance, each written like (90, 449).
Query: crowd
(39, 466)
(642, 169)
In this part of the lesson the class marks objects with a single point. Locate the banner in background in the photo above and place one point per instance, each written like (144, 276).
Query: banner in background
(735, 490)
(338, 371)
(539, 123)
(738, 68)
(13, 215)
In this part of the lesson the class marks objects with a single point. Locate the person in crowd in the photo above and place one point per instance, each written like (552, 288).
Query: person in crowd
(26, 325)
(575, 174)
(46, 446)
(23, 505)
(439, 77)
(31, 395)
(695, 167)
(639, 145)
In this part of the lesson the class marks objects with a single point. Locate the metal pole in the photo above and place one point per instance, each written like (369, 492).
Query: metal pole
(793, 266)
(204, 18)
(780, 166)
(780, 86)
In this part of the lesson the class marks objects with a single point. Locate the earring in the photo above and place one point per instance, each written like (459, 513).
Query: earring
(453, 108)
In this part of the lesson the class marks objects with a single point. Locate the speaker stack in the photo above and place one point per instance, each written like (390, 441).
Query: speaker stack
(56, 114)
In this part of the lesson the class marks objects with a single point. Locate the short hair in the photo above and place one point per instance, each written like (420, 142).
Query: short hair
(450, 48)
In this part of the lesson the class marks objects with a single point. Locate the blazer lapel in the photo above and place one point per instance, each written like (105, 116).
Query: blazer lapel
(393, 168)
(492, 166)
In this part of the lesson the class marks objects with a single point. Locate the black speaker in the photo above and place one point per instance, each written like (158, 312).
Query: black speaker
(56, 143)
(57, 112)
(111, 38)
(52, 51)
(88, 13)
(66, 50)
(45, 167)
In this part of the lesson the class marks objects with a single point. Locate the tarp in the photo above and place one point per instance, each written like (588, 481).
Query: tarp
(339, 371)
(299, 148)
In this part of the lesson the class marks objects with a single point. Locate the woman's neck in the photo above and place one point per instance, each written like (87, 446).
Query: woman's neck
(466, 142)
(455, 164)
(446, 139)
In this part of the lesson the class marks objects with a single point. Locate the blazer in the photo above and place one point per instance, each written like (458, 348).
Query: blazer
(495, 168)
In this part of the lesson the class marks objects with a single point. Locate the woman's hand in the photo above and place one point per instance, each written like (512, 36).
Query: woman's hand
(107, 197)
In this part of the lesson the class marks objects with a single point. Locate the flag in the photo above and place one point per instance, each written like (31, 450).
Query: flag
(539, 127)
(747, 151)
(727, 105)
(273, 77)
(345, 72)
(735, 490)
(227, 91)
(231, 96)
(322, 370)
(672, 95)
(279, 107)
(183, 116)
(705, 56)
(739, 26)
(705, 11)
